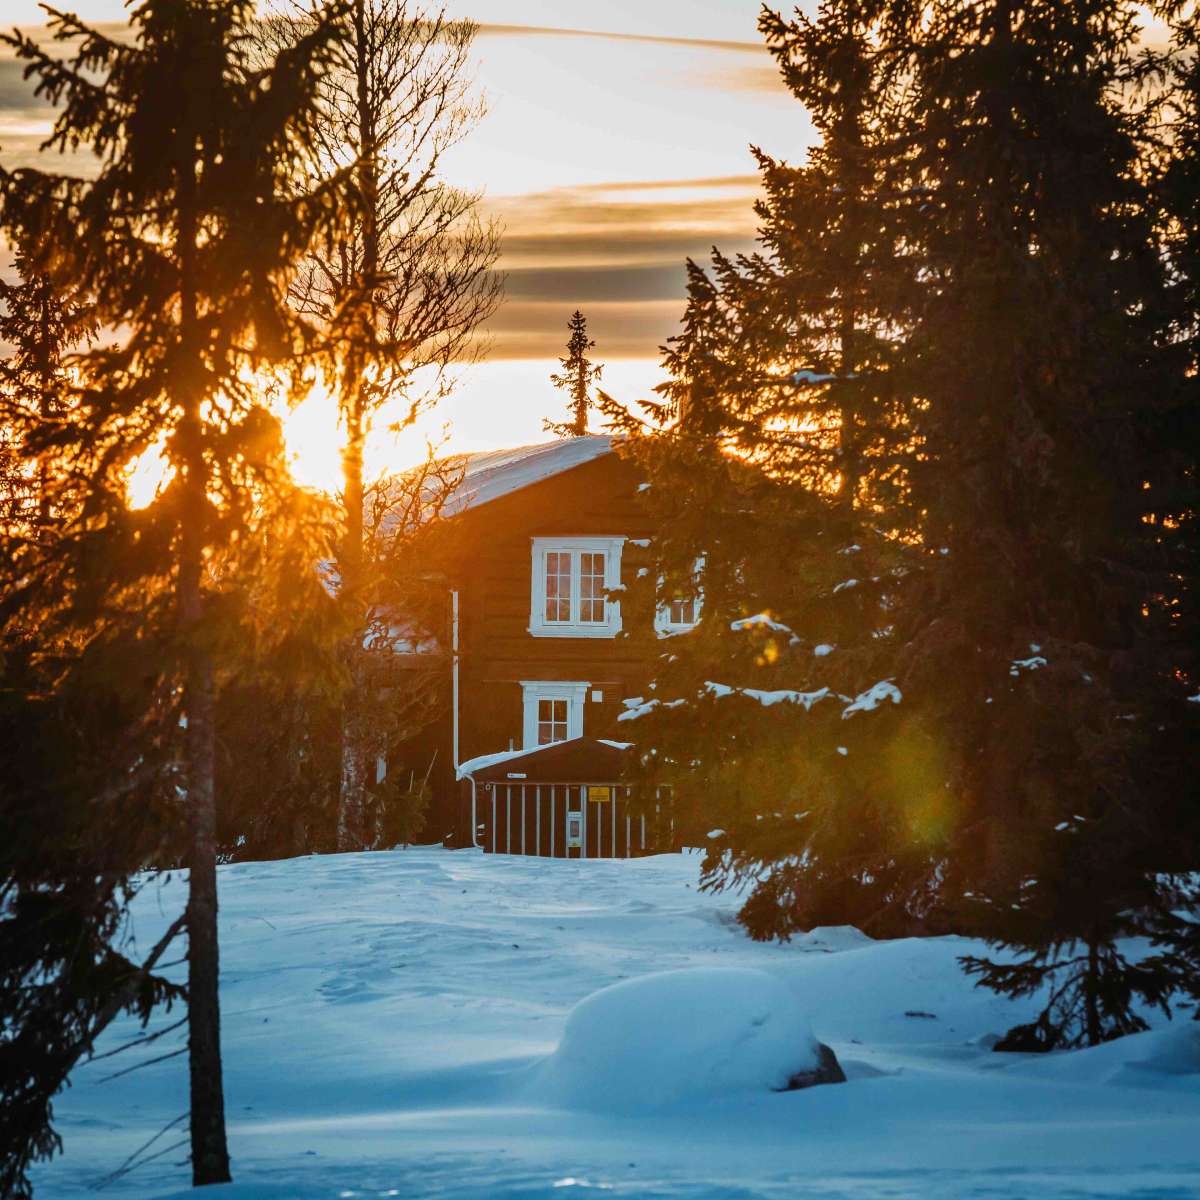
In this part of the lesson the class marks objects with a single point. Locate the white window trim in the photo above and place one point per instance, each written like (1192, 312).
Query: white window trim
(663, 625)
(534, 690)
(611, 548)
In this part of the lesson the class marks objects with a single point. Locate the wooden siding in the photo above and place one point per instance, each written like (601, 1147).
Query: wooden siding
(494, 577)
(487, 555)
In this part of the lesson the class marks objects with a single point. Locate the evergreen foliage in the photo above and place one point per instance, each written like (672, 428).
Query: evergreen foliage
(186, 237)
(578, 375)
(780, 457)
(961, 360)
(84, 752)
(42, 327)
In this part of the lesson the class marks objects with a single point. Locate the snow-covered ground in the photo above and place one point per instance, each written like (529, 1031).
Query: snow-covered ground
(388, 1019)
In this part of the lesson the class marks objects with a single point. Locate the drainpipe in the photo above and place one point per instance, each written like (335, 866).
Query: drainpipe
(454, 659)
(454, 675)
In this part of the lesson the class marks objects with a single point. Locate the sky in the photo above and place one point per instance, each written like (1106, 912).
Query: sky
(616, 144)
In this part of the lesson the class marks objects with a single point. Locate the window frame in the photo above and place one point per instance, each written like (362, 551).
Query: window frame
(575, 548)
(663, 625)
(533, 691)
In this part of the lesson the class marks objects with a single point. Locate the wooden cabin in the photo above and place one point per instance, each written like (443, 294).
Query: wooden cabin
(544, 648)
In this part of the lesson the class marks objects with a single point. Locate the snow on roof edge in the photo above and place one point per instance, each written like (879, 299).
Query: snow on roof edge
(490, 474)
(499, 756)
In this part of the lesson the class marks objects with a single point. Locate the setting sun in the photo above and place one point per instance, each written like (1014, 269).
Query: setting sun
(313, 438)
(147, 475)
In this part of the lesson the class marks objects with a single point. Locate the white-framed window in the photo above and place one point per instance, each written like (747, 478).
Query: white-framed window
(570, 578)
(680, 613)
(553, 711)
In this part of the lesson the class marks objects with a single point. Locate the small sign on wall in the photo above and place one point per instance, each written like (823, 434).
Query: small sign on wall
(599, 794)
(574, 830)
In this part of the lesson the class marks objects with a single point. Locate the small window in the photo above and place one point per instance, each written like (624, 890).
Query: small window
(681, 613)
(552, 721)
(684, 612)
(553, 711)
(570, 582)
(591, 588)
(558, 586)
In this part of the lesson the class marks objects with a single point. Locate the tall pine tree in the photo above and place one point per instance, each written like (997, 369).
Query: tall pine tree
(398, 298)
(779, 460)
(1001, 746)
(1038, 351)
(576, 378)
(187, 235)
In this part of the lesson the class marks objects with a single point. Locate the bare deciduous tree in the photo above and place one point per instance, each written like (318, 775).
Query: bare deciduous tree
(401, 300)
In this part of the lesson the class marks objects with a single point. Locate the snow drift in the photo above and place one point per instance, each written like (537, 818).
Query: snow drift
(681, 1036)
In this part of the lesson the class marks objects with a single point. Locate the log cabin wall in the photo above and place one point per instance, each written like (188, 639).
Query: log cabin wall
(493, 571)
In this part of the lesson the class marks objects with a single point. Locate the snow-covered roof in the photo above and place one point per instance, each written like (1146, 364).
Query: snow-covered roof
(490, 760)
(495, 473)
(576, 760)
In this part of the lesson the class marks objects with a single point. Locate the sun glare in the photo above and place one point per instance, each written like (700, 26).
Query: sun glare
(147, 475)
(313, 438)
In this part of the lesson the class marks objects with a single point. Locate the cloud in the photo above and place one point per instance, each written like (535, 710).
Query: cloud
(615, 249)
(625, 223)
(618, 252)
(490, 30)
(585, 285)
(760, 79)
(742, 182)
(625, 329)
(16, 92)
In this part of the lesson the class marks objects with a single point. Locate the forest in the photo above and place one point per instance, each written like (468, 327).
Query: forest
(926, 460)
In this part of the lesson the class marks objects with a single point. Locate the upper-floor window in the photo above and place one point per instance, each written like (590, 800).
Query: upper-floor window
(570, 579)
(681, 612)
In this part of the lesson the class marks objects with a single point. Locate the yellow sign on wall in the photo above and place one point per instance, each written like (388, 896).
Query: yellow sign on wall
(599, 795)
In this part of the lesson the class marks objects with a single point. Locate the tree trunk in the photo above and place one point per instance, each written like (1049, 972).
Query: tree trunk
(45, 407)
(1091, 995)
(352, 794)
(352, 787)
(848, 447)
(210, 1154)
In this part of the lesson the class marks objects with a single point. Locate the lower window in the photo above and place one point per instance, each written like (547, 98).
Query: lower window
(553, 711)
(552, 721)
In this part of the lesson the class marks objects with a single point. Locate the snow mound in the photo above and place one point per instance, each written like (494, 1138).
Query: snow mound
(833, 938)
(1162, 1058)
(678, 1037)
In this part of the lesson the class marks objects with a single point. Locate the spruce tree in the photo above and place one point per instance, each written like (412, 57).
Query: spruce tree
(576, 378)
(1015, 767)
(1173, 496)
(187, 236)
(1043, 367)
(87, 772)
(778, 457)
(41, 328)
(80, 759)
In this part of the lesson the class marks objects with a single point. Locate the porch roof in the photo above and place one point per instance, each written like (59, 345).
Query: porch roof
(579, 760)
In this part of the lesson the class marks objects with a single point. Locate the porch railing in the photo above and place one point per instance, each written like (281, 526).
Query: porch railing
(571, 820)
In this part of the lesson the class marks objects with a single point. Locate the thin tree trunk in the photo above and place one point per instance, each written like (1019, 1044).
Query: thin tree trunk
(210, 1154)
(1091, 994)
(352, 783)
(352, 788)
(45, 407)
(848, 446)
